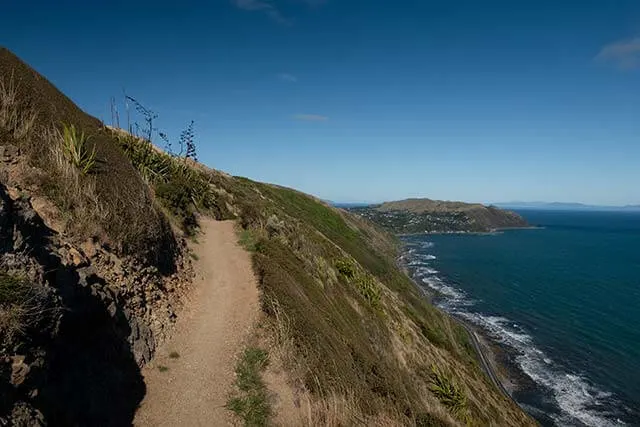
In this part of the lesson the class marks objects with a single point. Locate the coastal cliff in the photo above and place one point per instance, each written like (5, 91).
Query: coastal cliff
(95, 268)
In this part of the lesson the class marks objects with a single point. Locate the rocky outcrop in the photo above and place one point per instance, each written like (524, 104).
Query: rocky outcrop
(117, 309)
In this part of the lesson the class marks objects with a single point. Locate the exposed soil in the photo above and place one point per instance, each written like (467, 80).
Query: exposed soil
(190, 379)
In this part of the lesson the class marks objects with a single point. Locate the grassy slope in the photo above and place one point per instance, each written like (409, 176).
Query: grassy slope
(343, 343)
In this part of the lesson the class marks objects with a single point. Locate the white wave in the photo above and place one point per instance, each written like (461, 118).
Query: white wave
(441, 287)
(574, 395)
(422, 271)
(418, 260)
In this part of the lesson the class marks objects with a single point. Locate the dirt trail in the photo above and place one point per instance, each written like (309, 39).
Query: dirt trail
(209, 335)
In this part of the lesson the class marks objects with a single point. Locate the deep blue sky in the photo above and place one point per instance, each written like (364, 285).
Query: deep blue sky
(368, 100)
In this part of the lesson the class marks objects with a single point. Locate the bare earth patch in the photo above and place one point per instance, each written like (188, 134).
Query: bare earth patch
(192, 389)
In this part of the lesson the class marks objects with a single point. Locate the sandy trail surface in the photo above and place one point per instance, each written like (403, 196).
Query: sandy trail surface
(190, 387)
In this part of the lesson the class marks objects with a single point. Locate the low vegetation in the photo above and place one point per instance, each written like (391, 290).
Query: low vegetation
(247, 239)
(22, 306)
(251, 403)
(76, 149)
(364, 282)
(451, 396)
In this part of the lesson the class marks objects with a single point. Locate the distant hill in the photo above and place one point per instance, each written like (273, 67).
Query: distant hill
(566, 206)
(412, 216)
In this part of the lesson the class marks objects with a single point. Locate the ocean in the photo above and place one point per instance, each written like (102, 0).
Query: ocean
(561, 302)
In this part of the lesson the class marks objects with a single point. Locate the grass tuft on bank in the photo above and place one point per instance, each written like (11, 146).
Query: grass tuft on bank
(250, 402)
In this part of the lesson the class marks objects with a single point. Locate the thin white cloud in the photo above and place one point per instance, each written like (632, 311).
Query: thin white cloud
(624, 53)
(286, 77)
(311, 117)
(264, 6)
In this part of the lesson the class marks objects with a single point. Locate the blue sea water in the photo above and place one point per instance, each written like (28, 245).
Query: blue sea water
(562, 301)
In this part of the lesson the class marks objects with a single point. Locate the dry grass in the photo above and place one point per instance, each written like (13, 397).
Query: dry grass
(22, 306)
(72, 190)
(96, 191)
(18, 121)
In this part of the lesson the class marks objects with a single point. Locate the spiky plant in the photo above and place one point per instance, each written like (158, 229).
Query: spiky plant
(449, 394)
(76, 149)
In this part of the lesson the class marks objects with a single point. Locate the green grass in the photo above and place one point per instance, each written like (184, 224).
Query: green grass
(251, 402)
(163, 368)
(248, 240)
(174, 355)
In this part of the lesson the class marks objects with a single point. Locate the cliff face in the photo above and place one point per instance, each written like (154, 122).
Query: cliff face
(413, 216)
(93, 267)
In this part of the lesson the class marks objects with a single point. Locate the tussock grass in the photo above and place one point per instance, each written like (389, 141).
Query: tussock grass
(22, 306)
(251, 402)
(19, 121)
(174, 355)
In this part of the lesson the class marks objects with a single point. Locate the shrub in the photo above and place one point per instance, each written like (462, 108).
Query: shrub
(369, 289)
(182, 189)
(346, 268)
(449, 394)
(76, 150)
(152, 165)
(364, 282)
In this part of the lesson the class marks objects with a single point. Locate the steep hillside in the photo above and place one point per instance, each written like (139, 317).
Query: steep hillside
(358, 334)
(413, 216)
(92, 261)
(93, 268)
